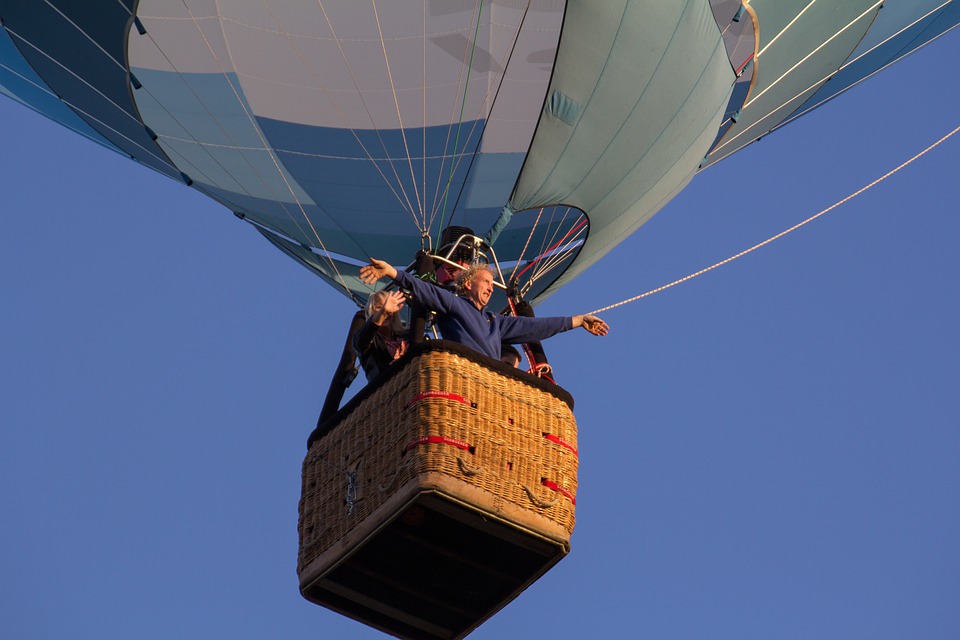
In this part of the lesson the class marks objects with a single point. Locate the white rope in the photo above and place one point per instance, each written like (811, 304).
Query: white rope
(523, 251)
(435, 205)
(779, 235)
(396, 103)
(271, 153)
(404, 201)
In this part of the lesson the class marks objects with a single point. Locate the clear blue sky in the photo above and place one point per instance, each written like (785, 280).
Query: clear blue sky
(768, 451)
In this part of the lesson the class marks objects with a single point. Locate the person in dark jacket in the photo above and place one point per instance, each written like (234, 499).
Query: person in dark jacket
(383, 337)
(463, 318)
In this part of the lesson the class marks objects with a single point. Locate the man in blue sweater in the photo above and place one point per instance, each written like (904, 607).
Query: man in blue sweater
(462, 318)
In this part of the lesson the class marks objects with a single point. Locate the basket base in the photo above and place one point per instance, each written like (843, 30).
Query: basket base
(436, 570)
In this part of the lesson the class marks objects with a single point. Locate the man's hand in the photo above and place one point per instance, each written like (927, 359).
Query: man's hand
(593, 324)
(375, 270)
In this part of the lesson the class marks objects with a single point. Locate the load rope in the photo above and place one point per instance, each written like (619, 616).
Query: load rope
(781, 234)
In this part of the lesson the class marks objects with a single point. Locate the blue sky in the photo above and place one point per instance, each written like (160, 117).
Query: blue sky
(767, 451)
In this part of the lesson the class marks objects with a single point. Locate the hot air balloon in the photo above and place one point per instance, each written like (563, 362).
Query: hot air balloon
(343, 130)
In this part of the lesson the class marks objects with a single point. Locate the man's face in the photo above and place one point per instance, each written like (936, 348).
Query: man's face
(480, 288)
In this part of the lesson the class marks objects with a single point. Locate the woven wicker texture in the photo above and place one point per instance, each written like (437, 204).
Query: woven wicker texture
(443, 413)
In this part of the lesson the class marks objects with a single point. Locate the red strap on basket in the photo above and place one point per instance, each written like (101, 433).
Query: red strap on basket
(553, 485)
(560, 441)
(446, 395)
(453, 442)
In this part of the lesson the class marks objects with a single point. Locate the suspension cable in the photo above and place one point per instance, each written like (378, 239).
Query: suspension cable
(781, 234)
(463, 104)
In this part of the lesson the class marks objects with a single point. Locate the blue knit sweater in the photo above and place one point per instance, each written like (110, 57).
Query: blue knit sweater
(461, 321)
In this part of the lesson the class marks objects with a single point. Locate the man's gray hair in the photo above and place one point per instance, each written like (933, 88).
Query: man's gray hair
(469, 274)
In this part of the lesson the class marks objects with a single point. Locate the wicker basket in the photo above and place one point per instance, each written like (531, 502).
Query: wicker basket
(493, 449)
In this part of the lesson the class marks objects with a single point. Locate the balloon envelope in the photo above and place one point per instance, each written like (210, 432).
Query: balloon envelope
(343, 130)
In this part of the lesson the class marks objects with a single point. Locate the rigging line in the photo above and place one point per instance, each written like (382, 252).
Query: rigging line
(101, 142)
(782, 233)
(97, 91)
(533, 230)
(806, 57)
(547, 237)
(788, 25)
(795, 115)
(104, 142)
(558, 254)
(286, 152)
(124, 68)
(503, 66)
(750, 127)
(496, 94)
(126, 71)
(343, 119)
(434, 207)
(423, 132)
(270, 153)
(253, 170)
(396, 102)
(187, 130)
(544, 256)
(463, 104)
(86, 35)
(343, 55)
(455, 162)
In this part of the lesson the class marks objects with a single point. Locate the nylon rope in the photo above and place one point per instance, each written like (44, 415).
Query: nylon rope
(504, 63)
(726, 142)
(855, 60)
(523, 251)
(194, 170)
(272, 154)
(356, 84)
(782, 233)
(547, 239)
(343, 119)
(809, 55)
(435, 205)
(122, 111)
(193, 140)
(396, 102)
(559, 254)
(424, 232)
(124, 69)
(496, 94)
(463, 106)
(373, 161)
(550, 243)
(77, 109)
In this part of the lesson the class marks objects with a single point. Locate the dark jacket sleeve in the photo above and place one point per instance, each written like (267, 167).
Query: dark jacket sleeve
(429, 295)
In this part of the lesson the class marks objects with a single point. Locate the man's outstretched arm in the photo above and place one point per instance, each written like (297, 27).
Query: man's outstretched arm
(430, 296)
